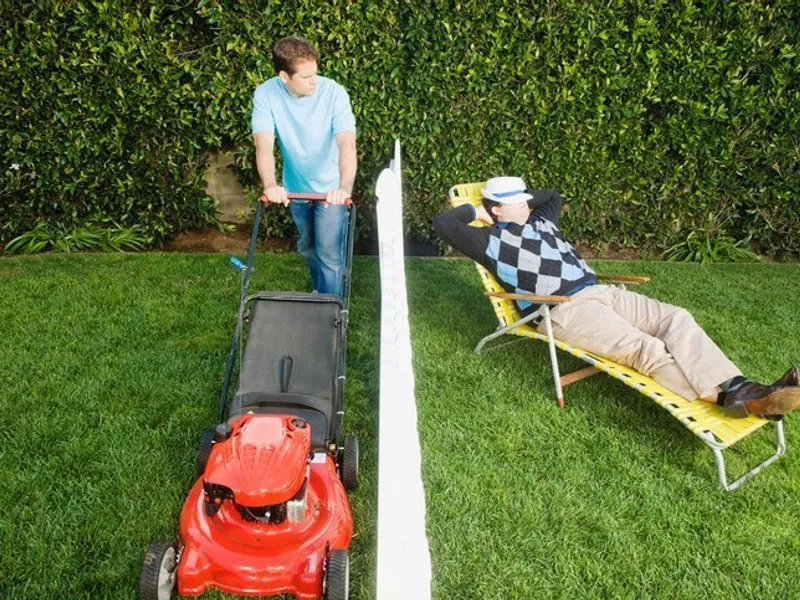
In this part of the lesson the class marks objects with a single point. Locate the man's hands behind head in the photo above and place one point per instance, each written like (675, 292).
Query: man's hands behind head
(482, 215)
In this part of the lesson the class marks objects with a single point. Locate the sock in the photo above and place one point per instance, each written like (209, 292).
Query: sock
(734, 383)
(731, 385)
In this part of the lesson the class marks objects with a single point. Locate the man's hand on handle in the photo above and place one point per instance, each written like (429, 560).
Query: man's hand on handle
(275, 194)
(337, 196)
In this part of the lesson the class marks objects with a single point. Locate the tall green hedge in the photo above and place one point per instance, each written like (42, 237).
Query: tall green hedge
(654, 118)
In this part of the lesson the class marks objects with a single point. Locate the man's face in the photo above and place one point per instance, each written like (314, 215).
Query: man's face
(517, 212)
(304, 80)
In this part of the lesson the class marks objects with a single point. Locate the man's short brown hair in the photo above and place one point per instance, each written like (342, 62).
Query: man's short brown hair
(489, 205)
(289, 51)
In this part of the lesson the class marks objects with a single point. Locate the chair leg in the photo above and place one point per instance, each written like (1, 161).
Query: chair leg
(502, 331)
(553, 357)
(780, 450)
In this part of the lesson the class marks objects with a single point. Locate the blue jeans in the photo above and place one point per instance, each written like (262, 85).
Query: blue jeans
(321, 236)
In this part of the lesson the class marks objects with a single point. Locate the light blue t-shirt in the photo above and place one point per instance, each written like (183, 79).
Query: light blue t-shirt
(305, 128)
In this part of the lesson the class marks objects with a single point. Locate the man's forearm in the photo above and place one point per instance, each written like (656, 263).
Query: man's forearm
(265, 163)
(453, 227)
(348, 165)
(546, 203)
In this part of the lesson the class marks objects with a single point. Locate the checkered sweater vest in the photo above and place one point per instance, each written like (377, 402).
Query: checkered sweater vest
(534, 258)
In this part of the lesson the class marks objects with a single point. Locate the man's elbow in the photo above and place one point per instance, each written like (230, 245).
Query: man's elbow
(555, 198)
(439, 225)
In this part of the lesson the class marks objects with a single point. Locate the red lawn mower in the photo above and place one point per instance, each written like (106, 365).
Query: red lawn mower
(269, 513)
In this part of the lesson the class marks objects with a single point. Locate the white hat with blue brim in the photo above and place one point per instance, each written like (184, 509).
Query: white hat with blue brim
(506, 190)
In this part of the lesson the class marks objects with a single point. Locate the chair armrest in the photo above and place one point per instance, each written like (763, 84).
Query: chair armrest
(624, 278)
(529, 297)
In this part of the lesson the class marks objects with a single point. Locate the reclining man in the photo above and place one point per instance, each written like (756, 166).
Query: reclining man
(527, 253)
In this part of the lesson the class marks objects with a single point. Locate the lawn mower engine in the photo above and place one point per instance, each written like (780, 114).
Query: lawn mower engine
(262, 468)
(268, 516)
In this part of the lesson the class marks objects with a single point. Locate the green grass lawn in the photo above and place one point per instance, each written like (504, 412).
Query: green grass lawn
(110, 367)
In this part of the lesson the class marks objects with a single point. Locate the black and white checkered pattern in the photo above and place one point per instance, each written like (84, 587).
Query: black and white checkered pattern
(535, 258)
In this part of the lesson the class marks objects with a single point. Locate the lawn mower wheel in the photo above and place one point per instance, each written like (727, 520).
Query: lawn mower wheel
(349, 463)
(158, 571)
(337, 576)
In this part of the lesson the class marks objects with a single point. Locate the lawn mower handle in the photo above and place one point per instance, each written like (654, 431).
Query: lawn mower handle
(313, 197)
(246, 271)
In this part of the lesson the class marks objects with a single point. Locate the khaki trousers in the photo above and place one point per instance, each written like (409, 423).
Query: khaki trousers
(659, 340)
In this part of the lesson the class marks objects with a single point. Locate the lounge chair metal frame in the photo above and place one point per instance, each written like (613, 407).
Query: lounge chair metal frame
(703, 419)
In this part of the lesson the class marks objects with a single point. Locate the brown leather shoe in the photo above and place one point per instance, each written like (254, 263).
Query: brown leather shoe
(790, 378)
(761, 400)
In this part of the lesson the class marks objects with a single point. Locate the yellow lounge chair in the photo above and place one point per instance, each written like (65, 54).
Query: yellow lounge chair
(704, 419)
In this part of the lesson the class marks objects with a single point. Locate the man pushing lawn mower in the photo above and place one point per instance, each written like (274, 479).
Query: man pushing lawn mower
(269, 513)
(316, 131)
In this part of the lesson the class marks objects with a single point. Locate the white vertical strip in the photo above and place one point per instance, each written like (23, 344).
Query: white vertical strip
(396, 166)
(404, 564)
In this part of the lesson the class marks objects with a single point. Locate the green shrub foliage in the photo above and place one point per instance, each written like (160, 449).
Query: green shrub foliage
(648, 116)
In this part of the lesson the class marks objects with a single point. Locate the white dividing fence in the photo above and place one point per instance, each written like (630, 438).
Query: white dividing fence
(404, 563)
